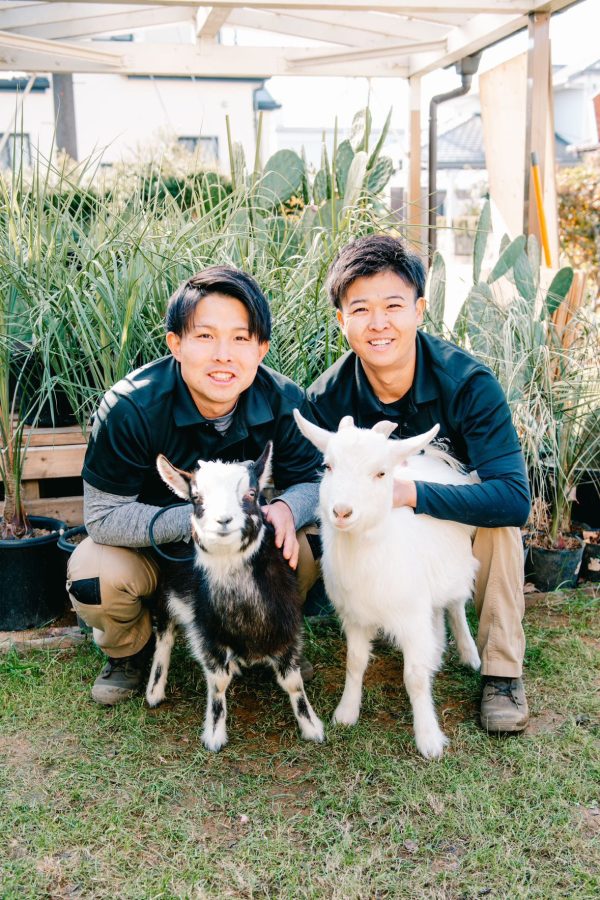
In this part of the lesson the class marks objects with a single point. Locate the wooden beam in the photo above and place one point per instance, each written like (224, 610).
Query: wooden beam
(203, 60)
(396, 51)
(112, 20)
(210, 21)
(12, 43)
(406, 7)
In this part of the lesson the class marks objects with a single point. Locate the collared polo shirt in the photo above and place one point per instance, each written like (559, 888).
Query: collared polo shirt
(452, 389)
(151, 411)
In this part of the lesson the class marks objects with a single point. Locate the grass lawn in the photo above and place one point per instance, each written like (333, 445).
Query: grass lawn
(125, 803)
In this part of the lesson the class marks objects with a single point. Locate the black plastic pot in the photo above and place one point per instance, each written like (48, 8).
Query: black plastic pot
(590, 564)
(32, 579)
(64, 541)
(550, 570)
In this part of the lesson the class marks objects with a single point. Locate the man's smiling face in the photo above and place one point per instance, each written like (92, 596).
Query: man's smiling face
(379, 317)
(218, 356)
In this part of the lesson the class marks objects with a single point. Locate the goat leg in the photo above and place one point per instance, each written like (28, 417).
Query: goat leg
(289, 677)
(157, 681)
(214, 736)
(419, 651)
(467, 649)
(358, 650)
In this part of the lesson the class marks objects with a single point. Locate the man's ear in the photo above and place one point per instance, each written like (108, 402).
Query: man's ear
(421, 305)
(174, 344)
(341, 320)
(264, 349)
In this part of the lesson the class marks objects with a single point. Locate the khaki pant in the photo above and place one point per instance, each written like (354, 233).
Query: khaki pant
(107, 586)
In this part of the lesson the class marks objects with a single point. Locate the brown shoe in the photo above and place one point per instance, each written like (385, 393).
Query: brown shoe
(120, 678)
(503, 705)
(306, 669)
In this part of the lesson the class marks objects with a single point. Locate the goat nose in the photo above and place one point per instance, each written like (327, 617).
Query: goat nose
(342, 512)
(225, 520)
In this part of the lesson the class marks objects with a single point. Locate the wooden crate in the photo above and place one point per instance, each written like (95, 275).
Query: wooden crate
(53, 453)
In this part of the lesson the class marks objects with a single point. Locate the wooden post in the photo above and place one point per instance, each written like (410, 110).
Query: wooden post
(539, 132)
(415, 199)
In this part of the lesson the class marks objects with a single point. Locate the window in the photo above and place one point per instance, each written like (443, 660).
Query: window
(205, 146)
(16, 151)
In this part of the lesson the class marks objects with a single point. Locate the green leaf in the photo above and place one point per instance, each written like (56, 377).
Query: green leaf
(436, 300)
(379, 145)
(356, 179)
(535, 258)
(320, 186)
(360, 130)
(342, 162)
(524, 279)
(558, 290)
(281, 179)
(507, 258)
(380, 175)
(481, 237)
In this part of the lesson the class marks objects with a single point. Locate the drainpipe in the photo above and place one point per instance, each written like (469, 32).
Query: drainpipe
(466, 68)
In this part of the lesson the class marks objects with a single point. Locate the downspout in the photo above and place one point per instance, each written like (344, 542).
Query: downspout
(466, 68)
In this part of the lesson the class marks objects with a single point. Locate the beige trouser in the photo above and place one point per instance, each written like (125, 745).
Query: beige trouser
(108, 585)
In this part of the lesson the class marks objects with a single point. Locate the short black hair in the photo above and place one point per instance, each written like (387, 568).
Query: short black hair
(371, 255)
(219, 280)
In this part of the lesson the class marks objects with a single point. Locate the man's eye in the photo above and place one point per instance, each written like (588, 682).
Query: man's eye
(204, 336)
(243, 338)
(380, 474)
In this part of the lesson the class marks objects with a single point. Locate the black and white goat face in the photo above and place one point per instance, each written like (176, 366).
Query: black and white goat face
(226, 517)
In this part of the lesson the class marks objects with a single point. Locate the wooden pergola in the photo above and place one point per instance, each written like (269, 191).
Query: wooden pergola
(382, 38)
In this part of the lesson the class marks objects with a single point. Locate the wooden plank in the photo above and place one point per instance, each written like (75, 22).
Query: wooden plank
(53, 462)
(30, 490)
(538, 100)
(67, 509)
(54, 437)
(415, 203)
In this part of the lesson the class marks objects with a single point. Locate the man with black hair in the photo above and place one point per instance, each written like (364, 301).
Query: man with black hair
(395, 371)
(211, 398)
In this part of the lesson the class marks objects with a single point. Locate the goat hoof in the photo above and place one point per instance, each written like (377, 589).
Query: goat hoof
(154, 699)
(314, 732)
(431, 746)
(343, 716)
(214, 744)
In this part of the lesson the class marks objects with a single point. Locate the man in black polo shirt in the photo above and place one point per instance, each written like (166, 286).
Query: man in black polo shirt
(209, 399)
(396, 372)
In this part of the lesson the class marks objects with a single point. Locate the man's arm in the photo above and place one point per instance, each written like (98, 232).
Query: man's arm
(123, 522)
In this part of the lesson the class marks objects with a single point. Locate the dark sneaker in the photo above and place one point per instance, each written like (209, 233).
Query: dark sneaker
(306, 669)
(121, 678)
(503, 705)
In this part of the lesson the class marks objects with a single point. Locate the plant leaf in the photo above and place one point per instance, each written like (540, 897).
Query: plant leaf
(507, 258)
(481, 237)
(558, 290)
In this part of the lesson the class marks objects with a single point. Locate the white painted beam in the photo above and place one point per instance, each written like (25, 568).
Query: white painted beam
(111, 21)
(210, 20)
(10, 42)
(379, 52)
(406, 7)
(201, 60)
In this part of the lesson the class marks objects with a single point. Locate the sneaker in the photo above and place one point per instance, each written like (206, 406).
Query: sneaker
(121, 678)
(503, 705)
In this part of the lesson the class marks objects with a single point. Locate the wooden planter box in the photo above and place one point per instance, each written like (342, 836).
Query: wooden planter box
(53, 455)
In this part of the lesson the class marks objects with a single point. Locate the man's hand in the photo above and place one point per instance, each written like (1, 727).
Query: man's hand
(280, 516)
(405, 494)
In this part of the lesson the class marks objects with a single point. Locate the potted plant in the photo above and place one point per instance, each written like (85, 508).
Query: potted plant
(32, 571)
(549, 367)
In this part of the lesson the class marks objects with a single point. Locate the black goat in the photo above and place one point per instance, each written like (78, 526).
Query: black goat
(239, 603)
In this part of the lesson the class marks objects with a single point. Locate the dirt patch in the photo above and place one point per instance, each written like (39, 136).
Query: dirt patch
(17, 751)
(589, 818)
(546, 722)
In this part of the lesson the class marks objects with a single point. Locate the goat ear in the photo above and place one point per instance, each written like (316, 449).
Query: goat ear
(262, 466)
(317, 436)
(178, 480)
(409, 446)
(346, 422)
(385, 427)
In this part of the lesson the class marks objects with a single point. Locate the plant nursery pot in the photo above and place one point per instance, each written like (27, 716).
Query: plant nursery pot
(67, 542)
(550, 570)
(590, 564)
(32, 579)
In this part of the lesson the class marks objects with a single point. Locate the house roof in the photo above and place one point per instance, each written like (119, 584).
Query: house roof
(462, 147)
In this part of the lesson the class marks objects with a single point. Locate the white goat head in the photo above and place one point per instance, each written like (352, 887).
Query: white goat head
(226, 514)
(357, 485)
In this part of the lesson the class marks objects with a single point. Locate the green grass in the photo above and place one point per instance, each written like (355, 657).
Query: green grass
(125, 803)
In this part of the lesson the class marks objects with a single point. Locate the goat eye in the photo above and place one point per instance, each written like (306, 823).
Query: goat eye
(250, 495)
(327, 467)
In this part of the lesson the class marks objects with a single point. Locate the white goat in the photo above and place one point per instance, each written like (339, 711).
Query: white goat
(388, 570)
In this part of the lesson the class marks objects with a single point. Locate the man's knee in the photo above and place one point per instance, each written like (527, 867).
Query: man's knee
(308, 569)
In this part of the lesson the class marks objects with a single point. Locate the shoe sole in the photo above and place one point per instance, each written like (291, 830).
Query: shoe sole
(108, 697)
(504, 727)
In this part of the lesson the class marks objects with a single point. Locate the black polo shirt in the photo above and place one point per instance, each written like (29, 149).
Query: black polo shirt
(151, 411)
(452, 389)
